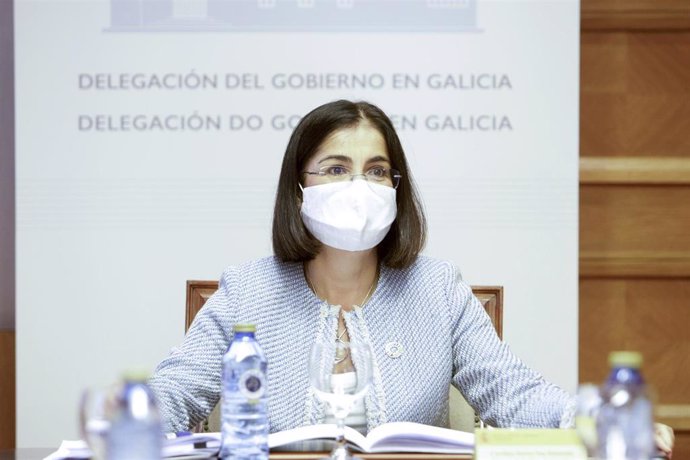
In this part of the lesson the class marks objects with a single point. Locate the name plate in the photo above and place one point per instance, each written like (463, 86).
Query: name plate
(528, 444)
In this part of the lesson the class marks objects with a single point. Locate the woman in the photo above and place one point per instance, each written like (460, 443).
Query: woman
(347, 232)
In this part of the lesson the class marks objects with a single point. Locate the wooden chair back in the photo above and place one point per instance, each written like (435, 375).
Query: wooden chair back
(491, 298)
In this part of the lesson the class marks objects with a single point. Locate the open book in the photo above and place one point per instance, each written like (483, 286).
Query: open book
(191, 446)
(390, 437)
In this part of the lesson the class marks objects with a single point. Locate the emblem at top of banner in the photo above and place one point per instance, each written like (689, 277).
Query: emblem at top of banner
(295, 16)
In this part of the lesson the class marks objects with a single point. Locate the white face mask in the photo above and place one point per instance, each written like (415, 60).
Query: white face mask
(353, 215)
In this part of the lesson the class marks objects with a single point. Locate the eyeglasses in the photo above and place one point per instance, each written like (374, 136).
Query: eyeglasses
(376, 174)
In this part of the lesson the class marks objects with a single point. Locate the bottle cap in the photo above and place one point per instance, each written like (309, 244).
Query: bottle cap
(135, 375)
(245, 328)
(625, 359)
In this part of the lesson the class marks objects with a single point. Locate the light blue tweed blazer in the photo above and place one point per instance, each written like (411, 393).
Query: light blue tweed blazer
(446, 337)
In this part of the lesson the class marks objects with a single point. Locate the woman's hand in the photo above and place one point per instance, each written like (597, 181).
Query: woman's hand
(663, 438)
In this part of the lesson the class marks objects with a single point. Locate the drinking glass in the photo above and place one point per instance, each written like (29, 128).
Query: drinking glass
(96, 409)
(588, 404)
(329, 359)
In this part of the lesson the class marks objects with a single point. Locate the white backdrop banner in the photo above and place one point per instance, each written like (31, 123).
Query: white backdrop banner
(150, 135)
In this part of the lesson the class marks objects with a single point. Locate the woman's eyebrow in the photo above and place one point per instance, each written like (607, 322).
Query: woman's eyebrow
(378, 159)
(343, 158)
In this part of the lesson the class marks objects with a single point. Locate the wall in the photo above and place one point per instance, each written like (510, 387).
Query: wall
(7, 374)
(635, 196)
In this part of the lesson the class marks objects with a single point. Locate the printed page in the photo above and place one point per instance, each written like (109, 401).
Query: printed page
(415, 437)
(306, 433)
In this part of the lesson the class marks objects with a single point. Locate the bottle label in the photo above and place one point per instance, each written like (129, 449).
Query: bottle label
(252, 384)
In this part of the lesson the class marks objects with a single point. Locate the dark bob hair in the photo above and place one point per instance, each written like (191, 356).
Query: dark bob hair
(292, 242)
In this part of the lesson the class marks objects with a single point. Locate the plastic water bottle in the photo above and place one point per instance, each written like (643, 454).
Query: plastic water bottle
(625, 428)
(244, 421)
(135, 431)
